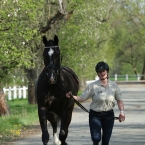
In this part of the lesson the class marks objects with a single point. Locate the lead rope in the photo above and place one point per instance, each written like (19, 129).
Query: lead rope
(71, 96)
(81, 106)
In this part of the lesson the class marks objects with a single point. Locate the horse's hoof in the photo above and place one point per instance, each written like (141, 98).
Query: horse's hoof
(64, 143)
(45, 138)
(57, 143)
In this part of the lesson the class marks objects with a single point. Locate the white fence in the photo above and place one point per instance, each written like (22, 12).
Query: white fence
(126, 77)
(120, 78)
(16, 92)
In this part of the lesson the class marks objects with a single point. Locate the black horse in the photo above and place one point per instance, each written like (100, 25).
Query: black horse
(53, 83)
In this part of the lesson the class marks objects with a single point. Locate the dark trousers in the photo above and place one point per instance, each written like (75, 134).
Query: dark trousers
(101, 121)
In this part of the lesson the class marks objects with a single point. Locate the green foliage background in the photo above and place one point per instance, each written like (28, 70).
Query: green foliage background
(98, 30)
(81, 36)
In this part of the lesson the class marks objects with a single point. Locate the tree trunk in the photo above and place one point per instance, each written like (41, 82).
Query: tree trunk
(82, 84)
(4, 109)
(143, 71)
(32, 78)
(134, 69)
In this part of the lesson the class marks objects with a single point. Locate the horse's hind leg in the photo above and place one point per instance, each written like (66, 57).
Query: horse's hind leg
(65, 121)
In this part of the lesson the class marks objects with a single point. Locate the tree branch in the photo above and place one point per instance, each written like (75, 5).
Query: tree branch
(51, 22)
(99, 43)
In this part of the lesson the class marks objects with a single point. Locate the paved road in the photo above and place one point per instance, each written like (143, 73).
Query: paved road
(130, 132)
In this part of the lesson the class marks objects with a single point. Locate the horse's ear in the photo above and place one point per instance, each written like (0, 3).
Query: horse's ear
(44, 40)
(56, 40)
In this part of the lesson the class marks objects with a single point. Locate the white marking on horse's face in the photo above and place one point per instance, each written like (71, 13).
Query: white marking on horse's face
(50, 52)
(56, 141)
(52, 79)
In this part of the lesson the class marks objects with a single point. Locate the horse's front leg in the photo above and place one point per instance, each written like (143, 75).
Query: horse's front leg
(43, 123)
(56, 141)
(65, 122)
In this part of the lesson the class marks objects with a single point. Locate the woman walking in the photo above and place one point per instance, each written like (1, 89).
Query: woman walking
(103, 93)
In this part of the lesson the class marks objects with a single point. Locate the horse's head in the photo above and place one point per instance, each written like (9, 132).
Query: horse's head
(51, 57)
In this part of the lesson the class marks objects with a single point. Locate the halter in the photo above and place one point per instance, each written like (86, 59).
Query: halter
(51, 66)
(51, 47)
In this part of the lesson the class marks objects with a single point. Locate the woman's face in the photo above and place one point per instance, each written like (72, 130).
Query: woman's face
(103, 74)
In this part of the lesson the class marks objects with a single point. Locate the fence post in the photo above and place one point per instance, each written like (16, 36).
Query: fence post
(115, 77)
(4, 90)
(24, 92)
(138, 77)
(20, 93)
(126, 77)
(9, 94)
(15, 92)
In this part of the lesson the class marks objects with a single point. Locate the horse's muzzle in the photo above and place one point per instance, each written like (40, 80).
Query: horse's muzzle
(52, 80)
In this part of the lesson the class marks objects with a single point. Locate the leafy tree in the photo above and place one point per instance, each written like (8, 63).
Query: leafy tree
(85, 37)
(20, 41)
(129, 35)
(18, 32)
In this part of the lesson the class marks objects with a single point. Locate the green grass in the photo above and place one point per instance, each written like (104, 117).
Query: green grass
(21, 116)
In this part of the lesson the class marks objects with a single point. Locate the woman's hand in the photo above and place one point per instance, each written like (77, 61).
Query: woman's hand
(121, 108)
(69, 94)
(121, 117)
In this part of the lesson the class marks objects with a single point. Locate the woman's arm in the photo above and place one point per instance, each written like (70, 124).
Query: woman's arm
(77, 98)
(121, 108)
(120, 105)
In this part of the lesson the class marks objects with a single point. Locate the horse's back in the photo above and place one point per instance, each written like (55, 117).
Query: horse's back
(73, 78)
(73, 74)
